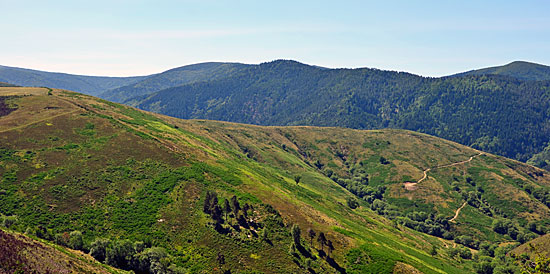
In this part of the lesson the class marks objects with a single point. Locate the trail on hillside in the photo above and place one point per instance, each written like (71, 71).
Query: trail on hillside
(457, 212)
(412, 186)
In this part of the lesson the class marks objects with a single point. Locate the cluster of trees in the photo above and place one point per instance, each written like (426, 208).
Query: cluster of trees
(137, 256)
(320, 237)
(504, 226)
(541, 194)
(229, 209)
(436, 225)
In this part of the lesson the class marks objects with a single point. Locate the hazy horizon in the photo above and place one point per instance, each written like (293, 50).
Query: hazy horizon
(129, 38)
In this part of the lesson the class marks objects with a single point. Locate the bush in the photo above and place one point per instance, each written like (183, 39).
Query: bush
(75, 240)
(98, 249)
(352, 203)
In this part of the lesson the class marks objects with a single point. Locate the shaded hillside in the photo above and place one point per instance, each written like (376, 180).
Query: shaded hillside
(172, 78)
(497, 114)
(21, 254)
(136, 179)
(518, 69)
(93, 85)
(2, 84)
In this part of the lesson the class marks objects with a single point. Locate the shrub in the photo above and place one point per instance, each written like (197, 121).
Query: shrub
(75, 240)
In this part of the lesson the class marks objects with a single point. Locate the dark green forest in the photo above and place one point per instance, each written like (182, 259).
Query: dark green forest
(497, 114)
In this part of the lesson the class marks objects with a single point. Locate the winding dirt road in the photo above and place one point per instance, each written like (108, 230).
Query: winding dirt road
(457, 212)
(412, 186)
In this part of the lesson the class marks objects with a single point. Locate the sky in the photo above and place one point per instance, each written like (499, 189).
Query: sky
(125, 38)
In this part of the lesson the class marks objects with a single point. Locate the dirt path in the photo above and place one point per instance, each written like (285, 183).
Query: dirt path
(457, 212)
(412, 186)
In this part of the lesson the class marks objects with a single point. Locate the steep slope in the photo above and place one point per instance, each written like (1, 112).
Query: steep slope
(497, 114)
(74, 162)
(93, 85)
(518, 69)
(21, 254)
(172, 78)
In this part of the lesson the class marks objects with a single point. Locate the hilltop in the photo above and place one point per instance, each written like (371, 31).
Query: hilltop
(93, 85)
(148, 183)
(498, 110)
(172, 78)
(497, 114)
(519, 69)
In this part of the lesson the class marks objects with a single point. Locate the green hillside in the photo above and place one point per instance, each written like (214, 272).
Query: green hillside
(496, 114)
(21, 254)
(148, 192)
(518, 69)
(93, 85)
(172, 78)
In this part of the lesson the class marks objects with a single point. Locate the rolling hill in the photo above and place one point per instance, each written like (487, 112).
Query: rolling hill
(154, 193)
(93, 85)
(498, 114)
(172, 78)
(492, 109)
(519, 69)
(22, 254)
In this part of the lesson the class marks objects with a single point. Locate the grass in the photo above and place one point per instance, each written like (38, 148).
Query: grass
(114, 171)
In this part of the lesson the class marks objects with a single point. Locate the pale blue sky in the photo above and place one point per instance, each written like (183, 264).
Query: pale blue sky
(121, 38)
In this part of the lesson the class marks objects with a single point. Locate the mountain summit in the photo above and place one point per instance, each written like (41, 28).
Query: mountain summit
(519, 69)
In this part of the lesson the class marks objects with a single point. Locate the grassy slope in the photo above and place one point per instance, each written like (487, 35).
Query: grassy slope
(72, 161)
(21, 254)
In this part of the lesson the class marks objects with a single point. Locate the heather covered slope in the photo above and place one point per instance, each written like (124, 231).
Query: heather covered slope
(21, 254)
(75, 162)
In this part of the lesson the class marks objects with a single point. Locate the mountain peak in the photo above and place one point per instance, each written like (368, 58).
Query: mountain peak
(522, 70)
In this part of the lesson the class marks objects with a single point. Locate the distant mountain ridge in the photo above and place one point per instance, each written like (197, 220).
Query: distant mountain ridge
(518, 69)
(502, 110)
(491, 112)
(92, 85)
(171, 78)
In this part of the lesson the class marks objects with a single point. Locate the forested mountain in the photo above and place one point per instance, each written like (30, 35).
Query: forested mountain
(172, 78)
(518, 69)
(155, 194)
(499, 114)
(93, 85)
(2, 84)
(493, 109)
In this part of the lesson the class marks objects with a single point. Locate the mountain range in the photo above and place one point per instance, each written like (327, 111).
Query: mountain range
(150, 193)
(502, 110)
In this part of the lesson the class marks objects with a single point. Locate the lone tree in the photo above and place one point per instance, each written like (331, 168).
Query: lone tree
(226, 208)
(311, 233)
(330, 247)
(296, 234)
(235, 205)
(246, 207)
(297, 178)
(322, 240)
(210, 201)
